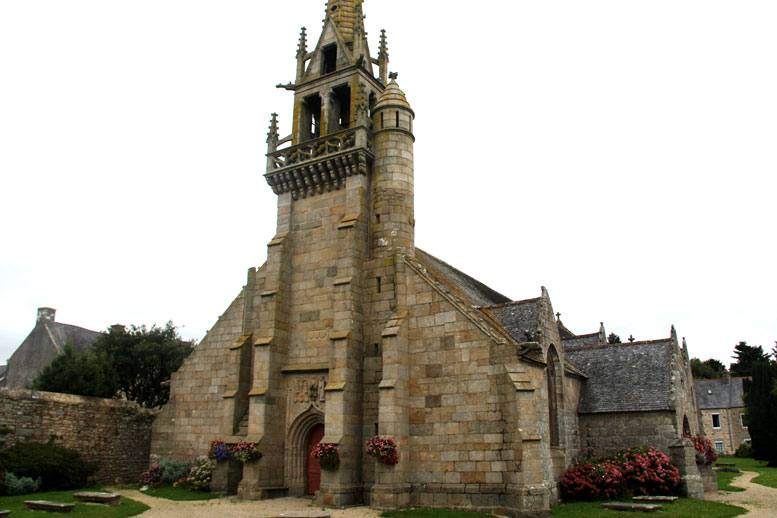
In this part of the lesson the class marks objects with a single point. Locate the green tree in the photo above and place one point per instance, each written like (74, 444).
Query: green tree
(707, 369)
(612, 338)
(760, 402)
(83, 374)
(746, 356)
(144, 358)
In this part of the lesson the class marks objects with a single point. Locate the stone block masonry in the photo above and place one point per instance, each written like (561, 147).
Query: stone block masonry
(115, 434)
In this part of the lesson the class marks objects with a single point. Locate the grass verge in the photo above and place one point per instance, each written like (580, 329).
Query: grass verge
(434, 513)
(128, 506)
(179, 493)
(683, 508)
(766, 476)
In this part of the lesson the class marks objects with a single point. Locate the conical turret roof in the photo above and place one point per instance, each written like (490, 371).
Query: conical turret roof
(392, 96)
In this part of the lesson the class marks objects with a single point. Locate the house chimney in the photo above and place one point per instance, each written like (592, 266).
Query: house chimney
(46, 315)
(727, 377)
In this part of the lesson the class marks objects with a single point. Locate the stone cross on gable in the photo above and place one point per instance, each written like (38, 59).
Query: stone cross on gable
(393, 75)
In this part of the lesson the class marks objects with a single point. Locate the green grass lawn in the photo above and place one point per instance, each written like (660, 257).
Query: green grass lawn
(767, 476)
(128, 507)
(434, 513)
(683, 508)
(179, 493)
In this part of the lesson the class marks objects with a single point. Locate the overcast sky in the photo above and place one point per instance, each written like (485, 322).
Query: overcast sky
(620, 153)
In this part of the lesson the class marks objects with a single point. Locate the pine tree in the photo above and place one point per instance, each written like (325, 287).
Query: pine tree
(760, 402)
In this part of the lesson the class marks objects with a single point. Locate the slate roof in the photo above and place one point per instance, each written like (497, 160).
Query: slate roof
(3, 368)
(519, 318)
(470, 290)
(578, 341)
(632, 377)
(59, 334)
(718, 394)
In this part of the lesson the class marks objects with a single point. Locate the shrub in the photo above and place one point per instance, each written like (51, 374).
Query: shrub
(647, 471)
(58, 468)
(20, 485)
(744, 450)
(173, 470)
(384, 449)
(638, 470)
(152, 477)
(593, 480)
(327, 454)
(200, 475)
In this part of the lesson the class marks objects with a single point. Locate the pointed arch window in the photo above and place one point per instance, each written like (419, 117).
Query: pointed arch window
(555, 394)
(329, 59)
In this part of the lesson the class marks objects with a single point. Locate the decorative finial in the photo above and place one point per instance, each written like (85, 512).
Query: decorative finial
(272, 135)
(631, 338)
(383, 57)
(303, 42)
(558, 315)
(393, 75)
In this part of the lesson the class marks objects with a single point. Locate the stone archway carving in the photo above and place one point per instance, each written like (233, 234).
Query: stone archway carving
(296, 448)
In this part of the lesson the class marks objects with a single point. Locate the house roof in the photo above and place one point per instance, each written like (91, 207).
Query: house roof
(632, 377)
(719, 394)
(470, 290)
(59, 334)
(577, 341)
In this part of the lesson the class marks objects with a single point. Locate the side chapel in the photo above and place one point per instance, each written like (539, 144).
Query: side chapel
(348, 330)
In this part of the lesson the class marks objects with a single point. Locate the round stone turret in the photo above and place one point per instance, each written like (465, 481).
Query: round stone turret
(393, 220)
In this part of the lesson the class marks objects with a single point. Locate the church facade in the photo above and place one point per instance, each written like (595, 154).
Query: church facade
(348, 330)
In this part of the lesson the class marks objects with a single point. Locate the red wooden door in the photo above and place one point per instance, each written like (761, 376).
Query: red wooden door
(314, 468)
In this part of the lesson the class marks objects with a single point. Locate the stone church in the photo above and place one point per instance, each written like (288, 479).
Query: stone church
(348, 330)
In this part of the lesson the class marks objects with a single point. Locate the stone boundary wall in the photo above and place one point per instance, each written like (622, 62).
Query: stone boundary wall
(115, 434)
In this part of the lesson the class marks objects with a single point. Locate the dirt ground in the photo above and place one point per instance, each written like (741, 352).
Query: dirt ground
(759, 500)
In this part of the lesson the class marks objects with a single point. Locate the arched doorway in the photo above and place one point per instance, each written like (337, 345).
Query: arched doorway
(313, 467)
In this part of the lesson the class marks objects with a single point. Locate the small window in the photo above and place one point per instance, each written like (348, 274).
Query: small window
(381, 120)
(378, 284)
(377, 219)
(716, 420)
(743, 420)
(397, 119)
(719, 446)
(329, 62)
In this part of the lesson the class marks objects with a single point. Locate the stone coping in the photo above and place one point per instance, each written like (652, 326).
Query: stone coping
(630, 506)
(98, 497)
(52, 507)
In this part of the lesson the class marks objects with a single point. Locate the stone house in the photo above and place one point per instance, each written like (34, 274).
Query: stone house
(348, 330)
(46, 340)
(723, 412)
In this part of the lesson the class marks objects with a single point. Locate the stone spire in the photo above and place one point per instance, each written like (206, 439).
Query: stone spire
(348, 18)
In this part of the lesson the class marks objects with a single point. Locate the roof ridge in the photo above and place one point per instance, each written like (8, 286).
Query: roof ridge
(511, 303)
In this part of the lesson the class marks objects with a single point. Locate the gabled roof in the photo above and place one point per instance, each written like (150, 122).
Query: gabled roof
(719, 394)
(472, 291)
(578, 341)
(632, 377)
(80, 338)
(519, 318)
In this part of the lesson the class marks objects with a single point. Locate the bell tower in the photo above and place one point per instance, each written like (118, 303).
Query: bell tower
(344, 181)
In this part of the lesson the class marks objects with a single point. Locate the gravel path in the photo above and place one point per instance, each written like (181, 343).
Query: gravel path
(759, 500)
(232, 507)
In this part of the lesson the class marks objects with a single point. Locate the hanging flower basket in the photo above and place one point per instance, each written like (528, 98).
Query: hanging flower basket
(384, 449)
(219, 450)
(327, 454)
(705, 451)
(246, 451)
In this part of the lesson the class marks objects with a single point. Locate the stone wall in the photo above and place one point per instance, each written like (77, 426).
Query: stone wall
(115, 434)
(605, 434)
(730, 432)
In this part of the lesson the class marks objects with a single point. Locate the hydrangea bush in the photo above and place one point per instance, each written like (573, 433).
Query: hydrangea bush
(152, 477)
(327, 454)
(638, 470)
(384, 449)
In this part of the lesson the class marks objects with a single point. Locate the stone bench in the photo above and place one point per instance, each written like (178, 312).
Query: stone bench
(655, 499)
(52, 507)
(3, 512)
(725, 464)
(728, 470)
(629, 506)
(305, 514)
(98, 498)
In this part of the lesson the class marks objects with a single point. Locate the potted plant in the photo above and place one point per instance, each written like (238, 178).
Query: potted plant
(245, 451)
(384, 449)
(327, 454)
